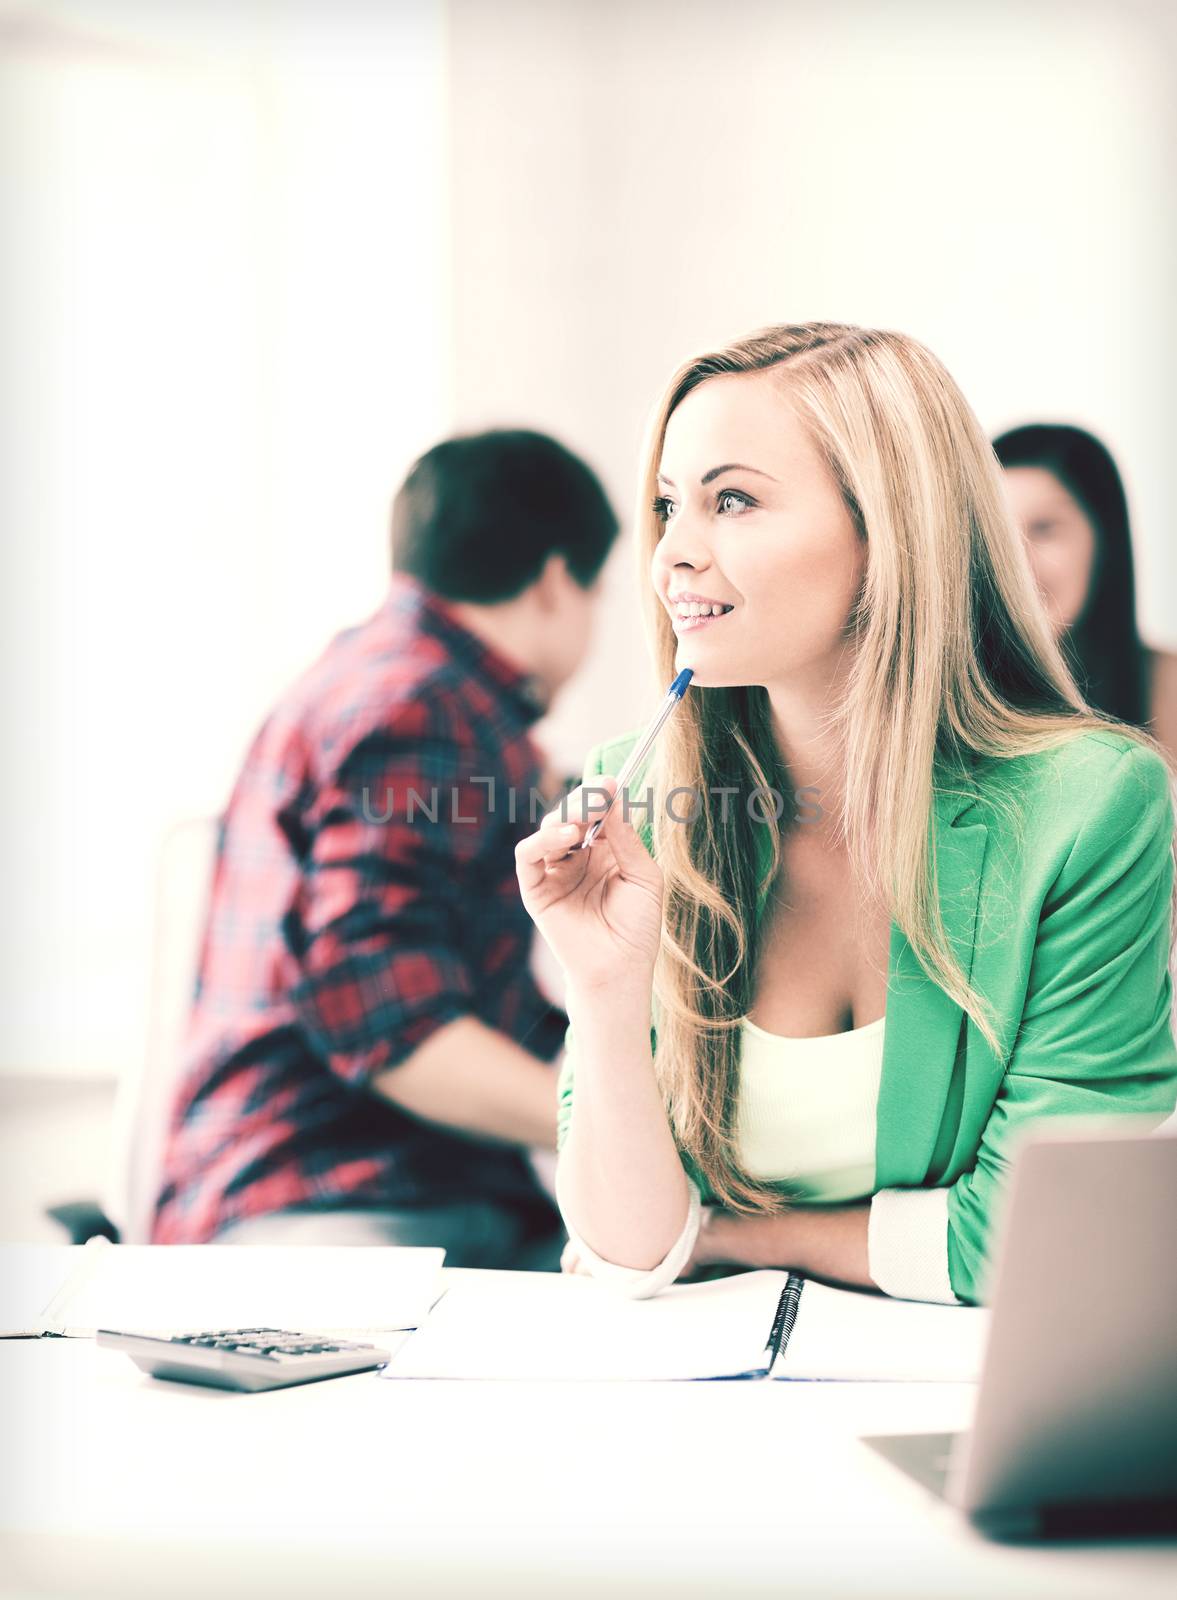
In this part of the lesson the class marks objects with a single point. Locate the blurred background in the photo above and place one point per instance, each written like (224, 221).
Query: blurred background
(256, 257)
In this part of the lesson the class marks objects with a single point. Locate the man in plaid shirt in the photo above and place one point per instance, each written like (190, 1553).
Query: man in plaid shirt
(368, 1055)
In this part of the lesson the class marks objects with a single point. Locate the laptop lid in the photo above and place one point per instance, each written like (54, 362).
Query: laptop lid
(1077, 1403)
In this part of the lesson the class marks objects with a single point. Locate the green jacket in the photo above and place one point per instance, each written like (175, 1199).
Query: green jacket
(1056, 873)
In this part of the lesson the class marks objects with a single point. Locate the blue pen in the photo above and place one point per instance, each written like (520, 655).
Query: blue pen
(643, 747)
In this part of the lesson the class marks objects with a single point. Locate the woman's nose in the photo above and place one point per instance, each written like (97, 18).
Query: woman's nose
(684, 544)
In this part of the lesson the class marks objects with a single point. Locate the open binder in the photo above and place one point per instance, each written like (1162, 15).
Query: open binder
(766, 1324)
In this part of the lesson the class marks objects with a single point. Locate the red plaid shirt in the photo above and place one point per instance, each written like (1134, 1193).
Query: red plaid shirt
(364, 895)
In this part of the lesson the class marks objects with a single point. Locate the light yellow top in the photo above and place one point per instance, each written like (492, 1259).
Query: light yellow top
(807, 1110)
(807, 1117)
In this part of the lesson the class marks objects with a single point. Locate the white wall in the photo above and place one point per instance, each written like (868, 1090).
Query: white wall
(225, 310)
(222, 312)
(633, 182)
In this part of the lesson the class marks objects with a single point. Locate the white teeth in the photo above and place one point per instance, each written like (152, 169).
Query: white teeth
(695, 610)
(690, 610)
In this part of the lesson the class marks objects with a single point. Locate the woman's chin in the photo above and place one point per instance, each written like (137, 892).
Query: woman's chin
(713, 662)
(705, 675)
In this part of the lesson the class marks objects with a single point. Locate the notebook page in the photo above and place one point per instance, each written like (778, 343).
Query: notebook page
(552, 1325)
(308, 1289)
(843, 1334)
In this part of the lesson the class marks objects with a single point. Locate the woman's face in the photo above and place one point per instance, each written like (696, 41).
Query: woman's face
(1060, 538)
(753, 523)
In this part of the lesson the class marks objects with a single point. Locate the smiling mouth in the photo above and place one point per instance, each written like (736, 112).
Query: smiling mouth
(690, 615)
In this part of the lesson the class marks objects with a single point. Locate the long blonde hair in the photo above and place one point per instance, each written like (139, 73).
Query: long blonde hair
(954, 658)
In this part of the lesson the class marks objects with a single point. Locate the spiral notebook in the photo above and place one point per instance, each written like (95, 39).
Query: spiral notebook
(519, 1325)
(843, 1334)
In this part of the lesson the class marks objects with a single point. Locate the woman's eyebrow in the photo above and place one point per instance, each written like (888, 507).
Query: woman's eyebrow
(716, 472)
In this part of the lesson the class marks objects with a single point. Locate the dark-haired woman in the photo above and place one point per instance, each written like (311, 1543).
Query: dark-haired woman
(1069, 501)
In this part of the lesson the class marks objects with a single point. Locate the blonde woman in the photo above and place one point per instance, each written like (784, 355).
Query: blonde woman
(890, 892)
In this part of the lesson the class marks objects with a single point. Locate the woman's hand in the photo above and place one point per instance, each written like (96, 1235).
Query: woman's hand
(599, 909)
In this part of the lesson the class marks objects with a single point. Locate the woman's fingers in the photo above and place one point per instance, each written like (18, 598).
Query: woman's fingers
(633, 859)
(540, 851)
(552, 854)
(559, 834)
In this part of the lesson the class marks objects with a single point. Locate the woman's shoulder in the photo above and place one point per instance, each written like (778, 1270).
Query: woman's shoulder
(1091, 779)
(1061, 770)
(1087, 752)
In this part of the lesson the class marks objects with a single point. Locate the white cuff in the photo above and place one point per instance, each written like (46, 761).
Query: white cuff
(639, 1283)
(907, 1244)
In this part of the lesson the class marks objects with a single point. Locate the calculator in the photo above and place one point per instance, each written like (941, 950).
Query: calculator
(247, 1359)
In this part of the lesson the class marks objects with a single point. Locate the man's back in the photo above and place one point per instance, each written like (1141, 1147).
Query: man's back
(363, 897)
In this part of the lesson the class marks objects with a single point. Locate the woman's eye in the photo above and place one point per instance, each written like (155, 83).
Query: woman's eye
(737, 501)
(663, 507)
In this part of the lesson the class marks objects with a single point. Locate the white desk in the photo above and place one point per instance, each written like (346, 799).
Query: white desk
(113, 1484)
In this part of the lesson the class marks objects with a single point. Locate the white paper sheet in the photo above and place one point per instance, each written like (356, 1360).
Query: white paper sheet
(31, 1275)
(311, 1289)
(548, 1325)
(840, 1333)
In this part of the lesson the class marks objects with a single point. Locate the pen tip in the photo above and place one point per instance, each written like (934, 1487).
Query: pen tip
(679, 685)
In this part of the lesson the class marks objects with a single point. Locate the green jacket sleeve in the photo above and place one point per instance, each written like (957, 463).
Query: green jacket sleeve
(1095, 1035)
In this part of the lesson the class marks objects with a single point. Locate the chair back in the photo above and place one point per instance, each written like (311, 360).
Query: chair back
(147, 1088)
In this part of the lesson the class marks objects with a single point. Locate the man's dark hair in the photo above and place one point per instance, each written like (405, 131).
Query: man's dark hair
(477, 517)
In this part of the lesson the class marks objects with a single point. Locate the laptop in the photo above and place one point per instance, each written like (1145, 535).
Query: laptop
(1075, 1429)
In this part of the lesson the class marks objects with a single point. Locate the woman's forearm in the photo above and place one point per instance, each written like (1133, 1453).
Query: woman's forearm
(621, 1182)
(827, 1242)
